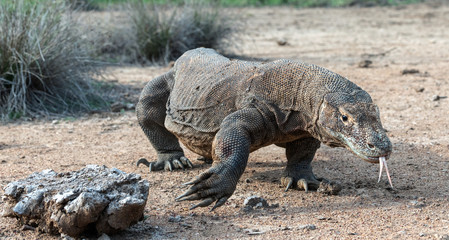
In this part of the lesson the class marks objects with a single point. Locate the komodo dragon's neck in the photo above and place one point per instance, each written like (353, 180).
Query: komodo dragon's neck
(313, 85)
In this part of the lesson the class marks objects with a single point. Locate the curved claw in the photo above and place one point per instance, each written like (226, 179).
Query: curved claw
(183, 197)
(208, 187)
(289, 183)
(178, 164)
(198, 179)
(168, 165)
(302, 184)
(193, 197)
(186, 162)
(219, 203)
(203, 203)
(143, 161)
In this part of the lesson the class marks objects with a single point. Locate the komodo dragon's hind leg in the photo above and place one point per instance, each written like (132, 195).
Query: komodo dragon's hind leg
(151, 112)
(298, 172)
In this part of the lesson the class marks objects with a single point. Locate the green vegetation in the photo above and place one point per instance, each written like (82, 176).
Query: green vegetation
(297, 3)
(45, 66)
(85, 5)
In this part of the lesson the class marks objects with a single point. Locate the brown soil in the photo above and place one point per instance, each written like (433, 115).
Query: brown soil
(393, 38)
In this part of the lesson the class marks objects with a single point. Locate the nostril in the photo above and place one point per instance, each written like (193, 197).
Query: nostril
(371, 146)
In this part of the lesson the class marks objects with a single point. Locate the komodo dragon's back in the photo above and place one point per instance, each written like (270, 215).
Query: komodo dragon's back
(204, 82)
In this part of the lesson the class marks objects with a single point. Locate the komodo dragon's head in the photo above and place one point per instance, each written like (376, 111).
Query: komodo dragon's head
(352, 121)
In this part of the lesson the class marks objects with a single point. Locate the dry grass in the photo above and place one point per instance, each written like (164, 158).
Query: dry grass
(164, 32)
(151, 32)
(45, 66)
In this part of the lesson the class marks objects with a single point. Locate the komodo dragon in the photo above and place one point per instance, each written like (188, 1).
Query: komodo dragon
(223, 109)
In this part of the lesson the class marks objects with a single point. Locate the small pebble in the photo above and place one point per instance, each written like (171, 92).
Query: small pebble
(253, 231)
(421, 89)
(307, 227)
(365, 63)
(255, 201)
(28, 227)
(437, 97)
(66, 237)
(177, 218)
(409, 71)
(186, 225)
(282, 42)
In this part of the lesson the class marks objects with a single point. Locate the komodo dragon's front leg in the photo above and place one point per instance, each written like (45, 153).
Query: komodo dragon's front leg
(298, 172)
(231, 148)
(151, 111)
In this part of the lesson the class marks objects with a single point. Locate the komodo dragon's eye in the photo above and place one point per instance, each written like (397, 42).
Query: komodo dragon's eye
(344, 118)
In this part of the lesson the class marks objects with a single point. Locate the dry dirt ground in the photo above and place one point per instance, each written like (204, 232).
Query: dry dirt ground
(413, 107)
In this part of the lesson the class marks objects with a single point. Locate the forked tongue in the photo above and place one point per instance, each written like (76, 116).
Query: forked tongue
(383, 163)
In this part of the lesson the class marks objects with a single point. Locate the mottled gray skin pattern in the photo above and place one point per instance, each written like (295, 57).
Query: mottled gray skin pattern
(224, 109)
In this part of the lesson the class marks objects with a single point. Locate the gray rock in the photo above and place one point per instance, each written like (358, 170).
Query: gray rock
(438, 98)
(330, 188)
(177, 218)
(282, 42)
(365, 63)
(255, 202)
(307, 227)
(409, 71)
(105, 199)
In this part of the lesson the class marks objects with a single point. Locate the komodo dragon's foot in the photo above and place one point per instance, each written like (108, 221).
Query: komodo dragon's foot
(167, 162)
(304, 179)
(216, 184)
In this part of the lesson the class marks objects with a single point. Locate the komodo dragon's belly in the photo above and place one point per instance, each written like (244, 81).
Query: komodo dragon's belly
(196, 141)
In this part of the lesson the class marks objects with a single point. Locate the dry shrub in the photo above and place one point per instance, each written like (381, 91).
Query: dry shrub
(45, 66)
(165, 32)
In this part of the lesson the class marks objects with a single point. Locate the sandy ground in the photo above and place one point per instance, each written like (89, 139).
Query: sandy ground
(393, 38)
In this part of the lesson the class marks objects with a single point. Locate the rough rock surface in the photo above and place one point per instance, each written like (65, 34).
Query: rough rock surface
(94, 198)
(255, 201)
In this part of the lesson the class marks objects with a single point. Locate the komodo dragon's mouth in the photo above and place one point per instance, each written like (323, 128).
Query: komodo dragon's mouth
(377, 159)
(367, 158)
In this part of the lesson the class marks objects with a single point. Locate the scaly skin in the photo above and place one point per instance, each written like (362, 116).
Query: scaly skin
(224, 109)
